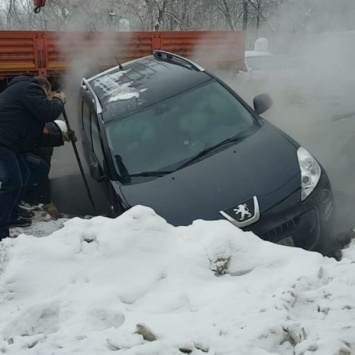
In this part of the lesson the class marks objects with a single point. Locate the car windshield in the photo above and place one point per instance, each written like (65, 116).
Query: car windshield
(165, 135)
(265, 62)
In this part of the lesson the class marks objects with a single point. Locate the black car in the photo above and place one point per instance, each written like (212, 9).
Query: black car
(163, 132)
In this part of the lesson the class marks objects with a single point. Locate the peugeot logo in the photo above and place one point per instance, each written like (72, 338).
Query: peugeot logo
(244, 213)
(243, 210)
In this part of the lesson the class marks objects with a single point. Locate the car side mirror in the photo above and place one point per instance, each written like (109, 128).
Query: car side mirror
(262, 103)
(96, 172)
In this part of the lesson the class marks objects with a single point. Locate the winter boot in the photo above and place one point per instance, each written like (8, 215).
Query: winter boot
(25, 213)
(20, 222)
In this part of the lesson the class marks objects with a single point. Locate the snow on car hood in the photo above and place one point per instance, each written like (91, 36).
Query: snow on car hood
(265, 164)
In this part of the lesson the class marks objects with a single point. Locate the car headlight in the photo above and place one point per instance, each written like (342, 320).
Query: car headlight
(310, 172)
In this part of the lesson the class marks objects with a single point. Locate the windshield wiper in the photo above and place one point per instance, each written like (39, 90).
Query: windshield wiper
(210, 149)
(122, 169)
(127, 176)
(204, 152)
(151, 173)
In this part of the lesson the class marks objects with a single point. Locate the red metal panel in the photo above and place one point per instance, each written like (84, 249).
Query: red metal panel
(72, 50)
(210, 48)
(41, 54)
(18, 53)
(53, 53)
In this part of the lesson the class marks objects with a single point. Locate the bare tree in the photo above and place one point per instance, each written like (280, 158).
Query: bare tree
(144, 15)
(245, 15)
(231, 12)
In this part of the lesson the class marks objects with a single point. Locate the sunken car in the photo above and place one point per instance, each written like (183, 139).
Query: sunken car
(163, 132)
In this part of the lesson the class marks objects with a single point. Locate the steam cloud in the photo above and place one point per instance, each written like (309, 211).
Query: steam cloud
(314, 97)
(313, 102)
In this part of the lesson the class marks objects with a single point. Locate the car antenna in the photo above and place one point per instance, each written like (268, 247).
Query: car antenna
(119, 64)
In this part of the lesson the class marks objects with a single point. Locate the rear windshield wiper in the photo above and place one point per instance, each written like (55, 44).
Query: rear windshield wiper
(210, 149)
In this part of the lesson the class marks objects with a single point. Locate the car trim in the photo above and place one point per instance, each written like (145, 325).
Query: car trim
(86, 86)
(168, 56)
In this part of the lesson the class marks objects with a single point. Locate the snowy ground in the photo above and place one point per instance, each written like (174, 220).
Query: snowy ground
(137, 285)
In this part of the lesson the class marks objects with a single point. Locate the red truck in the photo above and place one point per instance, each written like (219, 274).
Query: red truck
(52, 53)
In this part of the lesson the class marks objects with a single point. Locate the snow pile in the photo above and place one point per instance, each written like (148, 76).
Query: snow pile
(137, 285)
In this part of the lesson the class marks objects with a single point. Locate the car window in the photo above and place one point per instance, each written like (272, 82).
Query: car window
(91, 132)
(96, 143)
(265, 62)
(86, 120)
(167, 133)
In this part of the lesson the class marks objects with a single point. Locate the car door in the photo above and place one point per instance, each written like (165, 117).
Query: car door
(105, 199)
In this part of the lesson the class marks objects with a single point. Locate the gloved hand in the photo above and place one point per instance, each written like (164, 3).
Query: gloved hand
(68, 134)
(71, 135)
(60, 95)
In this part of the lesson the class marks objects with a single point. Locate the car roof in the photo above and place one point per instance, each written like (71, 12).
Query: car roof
(143, 82)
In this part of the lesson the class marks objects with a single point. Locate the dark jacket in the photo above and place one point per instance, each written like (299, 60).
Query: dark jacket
(51, 137)
(24, 109)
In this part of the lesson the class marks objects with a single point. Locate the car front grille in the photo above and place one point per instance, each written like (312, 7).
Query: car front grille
(304, 229)
(282, 229)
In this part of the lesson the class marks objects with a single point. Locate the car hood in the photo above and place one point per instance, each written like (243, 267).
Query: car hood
(264, 164)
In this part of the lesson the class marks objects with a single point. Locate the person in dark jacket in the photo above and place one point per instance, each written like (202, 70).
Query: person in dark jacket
(55, 134)
(24, 110)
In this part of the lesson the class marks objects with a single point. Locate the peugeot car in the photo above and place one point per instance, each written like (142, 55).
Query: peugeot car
(163, 132)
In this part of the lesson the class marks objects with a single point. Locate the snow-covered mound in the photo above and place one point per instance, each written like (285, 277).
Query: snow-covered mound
(137, 285)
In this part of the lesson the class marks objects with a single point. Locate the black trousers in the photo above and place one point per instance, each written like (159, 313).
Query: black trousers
(14, 175)
(40, 192)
